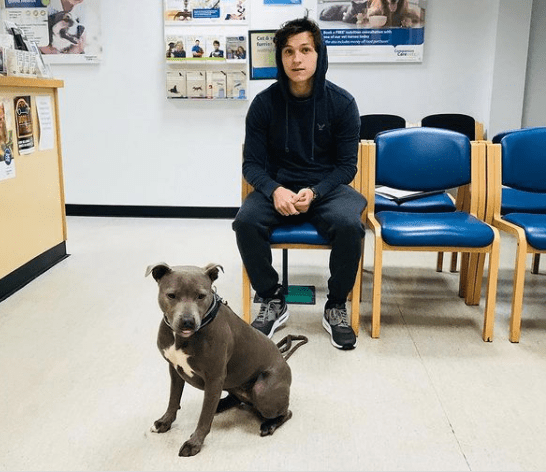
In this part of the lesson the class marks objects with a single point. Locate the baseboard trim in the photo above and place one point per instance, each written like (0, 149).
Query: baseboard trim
(131, 211)
(25, 274)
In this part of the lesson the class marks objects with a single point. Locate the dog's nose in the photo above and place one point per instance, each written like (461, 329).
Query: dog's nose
(186, 322)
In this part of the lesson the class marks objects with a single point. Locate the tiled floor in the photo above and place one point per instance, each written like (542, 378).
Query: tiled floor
(82, 380)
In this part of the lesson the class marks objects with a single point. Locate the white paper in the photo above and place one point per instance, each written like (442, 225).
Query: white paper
(45, 120)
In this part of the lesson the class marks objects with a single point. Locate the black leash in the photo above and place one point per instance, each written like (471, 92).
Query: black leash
(285, 344)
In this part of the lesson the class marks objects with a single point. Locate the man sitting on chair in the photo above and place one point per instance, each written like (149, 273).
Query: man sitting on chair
(300, 154)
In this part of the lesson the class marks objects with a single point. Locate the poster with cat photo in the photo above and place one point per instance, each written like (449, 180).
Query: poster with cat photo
(373, 30)
(7, 163)
(205, 12)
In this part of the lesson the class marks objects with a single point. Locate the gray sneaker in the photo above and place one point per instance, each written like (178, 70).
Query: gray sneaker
(335, 321)
(273, 313)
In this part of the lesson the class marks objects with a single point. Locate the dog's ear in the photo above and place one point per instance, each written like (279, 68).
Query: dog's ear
(158, 270)
(212, 271)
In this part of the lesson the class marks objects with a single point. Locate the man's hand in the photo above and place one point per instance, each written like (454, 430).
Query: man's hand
(304, 199)
(284, 201)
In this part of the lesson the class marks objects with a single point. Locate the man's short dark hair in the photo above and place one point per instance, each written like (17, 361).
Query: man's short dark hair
(299, 25)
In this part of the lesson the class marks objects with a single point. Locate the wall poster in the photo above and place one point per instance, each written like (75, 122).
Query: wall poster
(66, 32)
(373, 30)
(7, 163)
(23, 124)
(206, 11)
(262, 54)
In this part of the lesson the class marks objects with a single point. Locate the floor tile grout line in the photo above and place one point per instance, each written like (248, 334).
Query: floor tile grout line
(433, 386)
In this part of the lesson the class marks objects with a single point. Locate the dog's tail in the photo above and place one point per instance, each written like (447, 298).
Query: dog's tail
(285, 344)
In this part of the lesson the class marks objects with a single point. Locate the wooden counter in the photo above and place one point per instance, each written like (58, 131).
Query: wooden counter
(32, 204)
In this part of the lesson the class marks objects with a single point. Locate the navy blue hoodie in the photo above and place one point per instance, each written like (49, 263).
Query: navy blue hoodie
(297, 143)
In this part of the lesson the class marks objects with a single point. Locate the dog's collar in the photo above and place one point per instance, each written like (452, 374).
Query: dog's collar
(212, 311)
(209, 315)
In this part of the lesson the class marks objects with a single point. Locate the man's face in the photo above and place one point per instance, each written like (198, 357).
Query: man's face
(299, 57)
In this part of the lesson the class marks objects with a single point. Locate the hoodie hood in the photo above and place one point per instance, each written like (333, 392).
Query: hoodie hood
(319, 79)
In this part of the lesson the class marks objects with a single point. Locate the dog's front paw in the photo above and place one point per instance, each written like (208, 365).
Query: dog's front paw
(191, 447)
(161, 425)
(268, 427)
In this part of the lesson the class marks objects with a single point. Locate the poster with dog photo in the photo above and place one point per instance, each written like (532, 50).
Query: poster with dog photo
(373, 30)
(7, 163)
(74, 32)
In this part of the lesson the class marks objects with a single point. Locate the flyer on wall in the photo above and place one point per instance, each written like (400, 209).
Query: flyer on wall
(262, 54)
(23, 124)
(373, 31)
(7, 163)
(206, 11)
(65, 32)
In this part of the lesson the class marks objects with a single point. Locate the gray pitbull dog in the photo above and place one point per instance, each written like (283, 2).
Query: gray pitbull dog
(208, 346)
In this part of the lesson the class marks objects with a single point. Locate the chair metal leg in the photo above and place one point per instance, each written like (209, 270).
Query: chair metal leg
(285, 271)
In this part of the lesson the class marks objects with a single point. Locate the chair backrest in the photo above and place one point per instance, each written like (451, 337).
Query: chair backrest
(523, 159)
(498, 137)
(452, 121)
(422, 159)
(372, 124)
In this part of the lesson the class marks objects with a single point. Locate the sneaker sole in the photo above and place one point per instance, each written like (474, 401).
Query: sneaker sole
(278, 322)
(328, 329)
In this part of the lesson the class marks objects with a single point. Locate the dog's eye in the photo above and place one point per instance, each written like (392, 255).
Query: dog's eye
(172, 296)
(201, 296)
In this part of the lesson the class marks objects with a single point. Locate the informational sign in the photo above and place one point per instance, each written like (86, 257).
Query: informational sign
(7, 162)
(262, 54)
(373, 31)
(206, 11)
(23, 124)
(65, 32)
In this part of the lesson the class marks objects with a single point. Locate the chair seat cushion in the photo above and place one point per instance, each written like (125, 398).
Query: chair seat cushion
(520, 201)
(430, 204)
(302, 233)
(534, 226)
(454, 229)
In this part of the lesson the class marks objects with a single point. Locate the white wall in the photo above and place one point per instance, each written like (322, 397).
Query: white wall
(508, 87)
(534, 105)
(124, 143)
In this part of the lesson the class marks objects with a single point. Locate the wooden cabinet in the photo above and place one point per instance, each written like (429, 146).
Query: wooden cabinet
(32, 205)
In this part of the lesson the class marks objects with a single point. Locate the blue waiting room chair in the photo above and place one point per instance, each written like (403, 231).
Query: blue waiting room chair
(516, 163)
(429, 159)
(521, 201)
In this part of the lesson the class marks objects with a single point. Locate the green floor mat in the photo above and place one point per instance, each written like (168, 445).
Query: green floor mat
(297, 295)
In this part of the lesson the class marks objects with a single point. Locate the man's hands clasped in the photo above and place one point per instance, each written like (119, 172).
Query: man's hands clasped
(288, 203)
